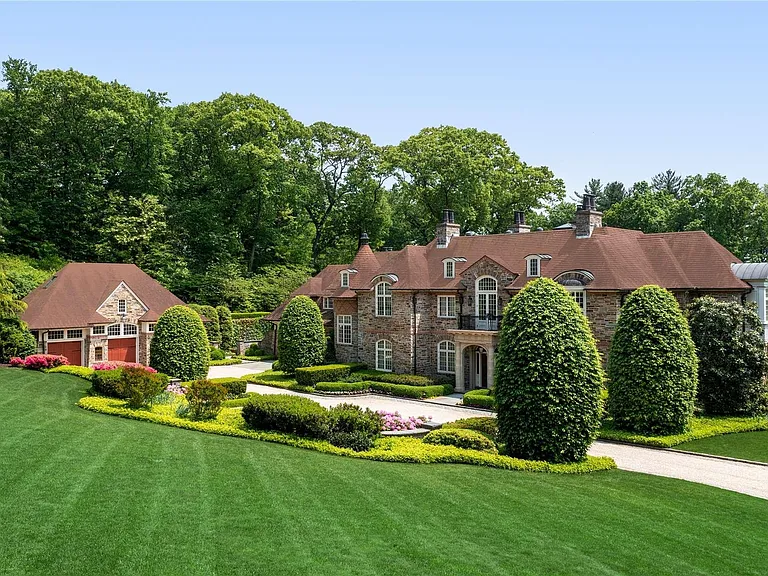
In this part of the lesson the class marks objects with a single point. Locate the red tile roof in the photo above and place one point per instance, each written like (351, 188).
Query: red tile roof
(71, 298)
(618, 259)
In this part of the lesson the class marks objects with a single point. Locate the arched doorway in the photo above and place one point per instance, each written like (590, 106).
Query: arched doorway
(476, 367)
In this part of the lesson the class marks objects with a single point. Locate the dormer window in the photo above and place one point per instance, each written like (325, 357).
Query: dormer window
(345, 279)
(534, 263)
(449, 269)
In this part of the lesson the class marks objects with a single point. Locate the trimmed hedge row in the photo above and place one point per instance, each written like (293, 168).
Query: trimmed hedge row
(480, 398)
(234, 386)
(391, 378)
(405, 391)
(363, 386)
(407, 450)
(225, 362)
(461, 438)
(324, 373)
(699, 428)
(244, 315)
(247, 329)
(80, 371)
(487, 425)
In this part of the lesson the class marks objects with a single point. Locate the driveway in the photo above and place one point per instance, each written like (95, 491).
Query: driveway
(238, 370)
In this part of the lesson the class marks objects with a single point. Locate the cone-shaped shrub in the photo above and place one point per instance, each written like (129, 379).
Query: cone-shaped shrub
(300, 335)
(179, 346)
(652, 366)
(548, 376)
(227, 328)
(729, 344)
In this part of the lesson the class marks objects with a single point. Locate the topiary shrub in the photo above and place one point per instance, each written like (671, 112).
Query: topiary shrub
(216, 354)
(325, 373)
(480, 398)
(139, 386)
(300, 335)
(732, 360)
(254, 350)
(233, 386)
(284, 413)
(652, 365)
(210, 322)
(205, 398)
(350, 426)
(461, 438)
(179, 346)
(548, 376)
(227, 328)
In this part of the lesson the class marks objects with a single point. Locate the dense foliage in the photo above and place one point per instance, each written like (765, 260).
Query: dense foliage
(732, 361)
(548, 376)
(485, 424)
(180, 346)
(226, 328)
(291, 414)
(15, 338)
(350, 426)
(461, 438)
(139, 386)
(325, 373)
(216, 354)
(205, 398)
(481, 398)
(301, 335)
(652, 365)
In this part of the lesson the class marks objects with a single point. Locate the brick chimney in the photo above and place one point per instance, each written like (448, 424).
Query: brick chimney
(587, 217)
(519, 227)
(447, 229)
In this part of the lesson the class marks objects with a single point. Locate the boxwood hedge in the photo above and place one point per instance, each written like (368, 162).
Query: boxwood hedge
(300, 335)
(179, 346)
(481, 398)
(461, 438)
(311, 375)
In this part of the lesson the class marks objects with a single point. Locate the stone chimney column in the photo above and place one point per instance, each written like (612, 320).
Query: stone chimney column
(519, 227)
(447, 229)
(587, 217)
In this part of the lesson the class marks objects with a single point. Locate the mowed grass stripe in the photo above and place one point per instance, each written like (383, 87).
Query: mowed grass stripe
(119, 496)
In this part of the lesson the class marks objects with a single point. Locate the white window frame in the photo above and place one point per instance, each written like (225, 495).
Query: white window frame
(54, 335)
(578, 290)
(449, 269)
(445, 350)
(122, 306)
(134, 330)
(345, 279)
(122, 333)
(344, 329)
(100, 347)
(532, 261)
(75, 336)
(384, 356)
(444, 311)
(151, 327)
(327, 303)
(383, 299)
(100, 330)
(119, 331)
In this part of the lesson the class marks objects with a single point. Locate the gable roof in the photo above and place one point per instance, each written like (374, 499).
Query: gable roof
(71, 298)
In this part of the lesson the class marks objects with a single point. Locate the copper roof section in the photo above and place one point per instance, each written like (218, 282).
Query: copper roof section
(72, 297)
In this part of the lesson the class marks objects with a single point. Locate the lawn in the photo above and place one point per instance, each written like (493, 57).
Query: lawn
(86, 493)
(747, 445)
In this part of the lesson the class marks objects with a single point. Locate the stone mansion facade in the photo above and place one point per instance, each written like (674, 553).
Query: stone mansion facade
(435, 310)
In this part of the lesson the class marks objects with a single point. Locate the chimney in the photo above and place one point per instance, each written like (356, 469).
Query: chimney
(363, 240)
(447, 229)
(519, 227)
(587, 217)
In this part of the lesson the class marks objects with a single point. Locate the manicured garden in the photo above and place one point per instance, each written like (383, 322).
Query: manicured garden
(89, 493)
(746, 446)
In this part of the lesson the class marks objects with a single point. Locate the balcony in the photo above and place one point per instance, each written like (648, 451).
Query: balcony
(488, 323)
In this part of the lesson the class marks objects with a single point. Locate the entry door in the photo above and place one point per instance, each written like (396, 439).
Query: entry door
(481, 368)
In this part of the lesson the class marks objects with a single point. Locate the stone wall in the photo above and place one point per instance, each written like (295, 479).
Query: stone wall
(134, 308)
(395, 328)
(603, 313)
(347, 352)
(485, 267)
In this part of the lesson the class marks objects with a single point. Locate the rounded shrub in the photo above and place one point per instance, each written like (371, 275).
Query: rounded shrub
(216, 354)
(179, 346)
(732, 360)
(652, 365)
(300, 335)
(548, 376)
(461, 438)
(205, 398)
(350, 426)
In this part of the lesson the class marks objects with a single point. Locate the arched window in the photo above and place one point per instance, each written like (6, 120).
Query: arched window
(384, 355)
(486, 304)
(383, 299)
(446, 357)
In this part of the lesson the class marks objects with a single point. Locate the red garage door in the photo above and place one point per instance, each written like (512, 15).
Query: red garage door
(72, 350)
(122, 349)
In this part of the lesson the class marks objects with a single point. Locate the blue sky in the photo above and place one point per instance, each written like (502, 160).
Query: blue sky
(608, 90)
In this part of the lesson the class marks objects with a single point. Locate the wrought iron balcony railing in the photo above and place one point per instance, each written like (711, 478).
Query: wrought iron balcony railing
(486, 322)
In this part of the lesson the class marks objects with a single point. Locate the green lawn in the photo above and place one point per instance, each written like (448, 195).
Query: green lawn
(85, 493)
(746, 445)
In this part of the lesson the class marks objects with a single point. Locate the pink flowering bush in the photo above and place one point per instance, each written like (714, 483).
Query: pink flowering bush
(176, 389)
(113, 364)
(16, 362)
(44, 361)
(391, 421)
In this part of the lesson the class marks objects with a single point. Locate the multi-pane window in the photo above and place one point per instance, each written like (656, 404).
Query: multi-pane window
(581, 299)
(344, 329)
(121, 307)
(98, 353)
(74, 333)
(56, 335)
(98, 330)
(130, 329)
(383, 299)
(446, 306)
(151, 327)
(327, 303)
(533, 266)
(449, 267)
(446, 357)
(113, 330)
(344, 279)
(384, 355)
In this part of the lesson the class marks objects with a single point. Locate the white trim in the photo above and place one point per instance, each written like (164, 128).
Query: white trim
(529, 260)
(338, 330)
(327, 303)
(124, 285)
(384, 352)
(579, 290)
(446, 352)
(104, 333)
(344, 274)
(46, 342)
(386, 297)
(449, 268)
(122, 333)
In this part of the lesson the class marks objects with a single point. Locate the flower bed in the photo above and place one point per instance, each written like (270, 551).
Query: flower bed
(39, 361)
(114, 364)
(393, 421)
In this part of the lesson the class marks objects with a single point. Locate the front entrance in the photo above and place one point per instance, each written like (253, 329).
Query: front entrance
(476, 367)
(73, 351)
(122, 349)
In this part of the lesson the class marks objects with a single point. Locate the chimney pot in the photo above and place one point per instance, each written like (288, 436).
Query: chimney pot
(447, 229)
(519, 227)
(587, 217)
(364, 239)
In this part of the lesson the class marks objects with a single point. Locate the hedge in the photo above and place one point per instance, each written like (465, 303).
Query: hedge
(480, 398)
(407, 450)
(405, 391)
(179, 346)
(225, 362)
(216, 354)
(234, 386)
(301, 335)
(108, 382)
(291, 414)
(341, 387)
(548, 376)
(239, 402)
(461, 438)
(487, 425)
(79, 371)
(276, 379)
(211, 322)
(242, 315)
(652, 365)
(391, 378)
(326, 373)
(226, 327)
(249, 329)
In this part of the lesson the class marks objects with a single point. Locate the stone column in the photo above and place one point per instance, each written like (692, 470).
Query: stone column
(459, 368)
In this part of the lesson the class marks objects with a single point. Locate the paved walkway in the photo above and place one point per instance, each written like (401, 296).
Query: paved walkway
(238, 370)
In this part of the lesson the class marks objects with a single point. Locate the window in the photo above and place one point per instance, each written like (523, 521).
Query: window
(121, 308)
(74, 334)
(344, 329)
(446, 306)
(446, 357)
(98, 330)
(151, 327)
(98, 353)
(581, 299)
(449, 269)
(533, 267)
(130, 329)
(344, 279)
(384, 355)
(56, 335)
(113, 330)
(383, 299)
(327, 303)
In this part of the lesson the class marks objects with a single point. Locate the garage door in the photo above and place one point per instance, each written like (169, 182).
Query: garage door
(123, 349)
(72, 350)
